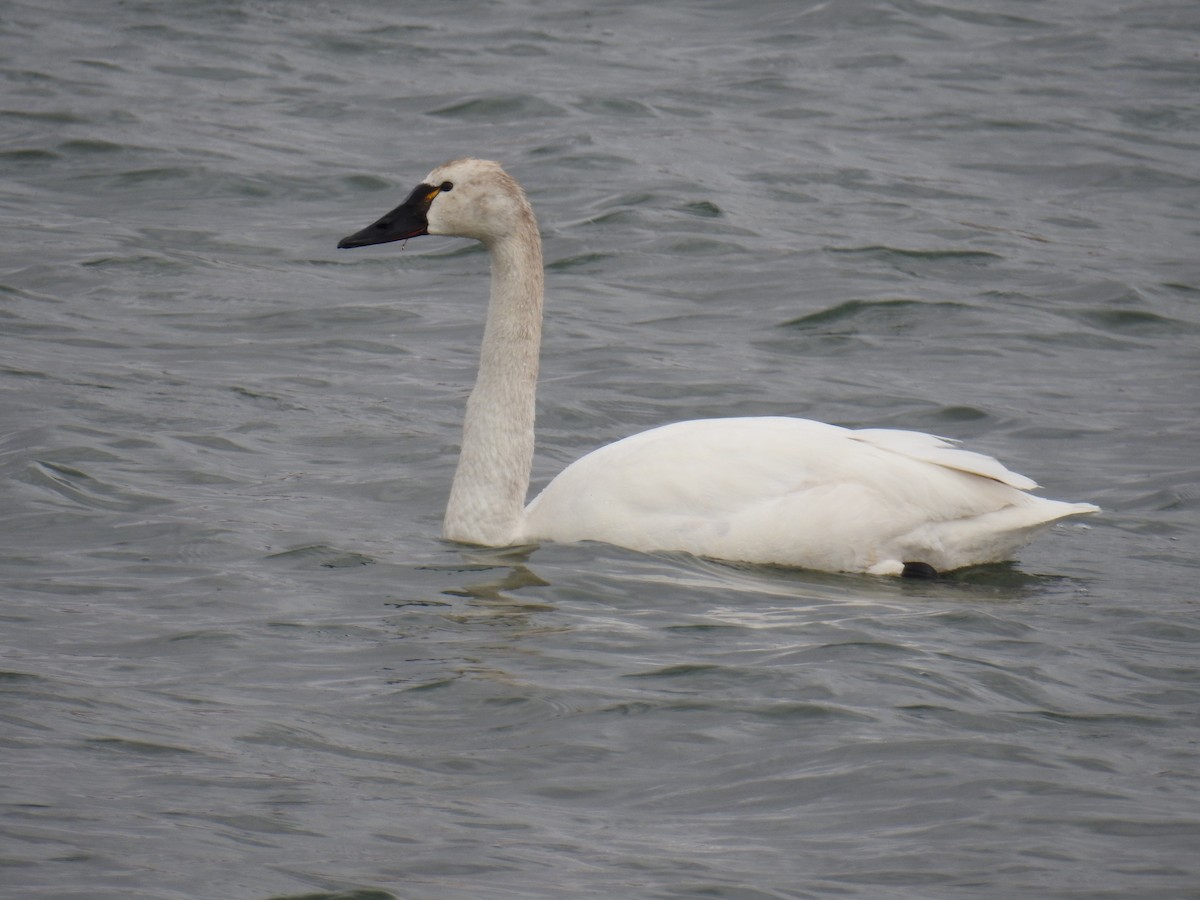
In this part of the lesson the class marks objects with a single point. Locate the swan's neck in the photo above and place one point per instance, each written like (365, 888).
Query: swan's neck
(487, 499)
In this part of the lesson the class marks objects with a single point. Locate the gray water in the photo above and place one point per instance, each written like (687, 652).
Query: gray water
(238, 660)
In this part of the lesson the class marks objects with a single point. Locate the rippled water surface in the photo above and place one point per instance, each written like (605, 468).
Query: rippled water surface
(239, 662)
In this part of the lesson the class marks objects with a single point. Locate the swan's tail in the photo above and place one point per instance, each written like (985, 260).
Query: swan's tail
(991, 537)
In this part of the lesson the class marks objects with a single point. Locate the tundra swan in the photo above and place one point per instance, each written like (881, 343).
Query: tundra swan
(771, 490)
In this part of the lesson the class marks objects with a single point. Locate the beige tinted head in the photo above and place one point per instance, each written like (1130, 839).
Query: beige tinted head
(471, 198)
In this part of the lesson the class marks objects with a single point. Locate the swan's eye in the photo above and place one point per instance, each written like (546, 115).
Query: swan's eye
(446, 186)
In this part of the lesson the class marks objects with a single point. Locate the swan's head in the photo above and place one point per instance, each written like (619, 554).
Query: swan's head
(471, 198)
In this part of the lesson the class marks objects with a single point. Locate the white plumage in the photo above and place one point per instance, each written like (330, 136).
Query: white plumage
(770, 490)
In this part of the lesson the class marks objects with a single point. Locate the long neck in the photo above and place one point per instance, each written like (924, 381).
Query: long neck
(487, 499)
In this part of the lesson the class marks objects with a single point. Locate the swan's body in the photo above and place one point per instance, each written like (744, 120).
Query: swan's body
(764, 490)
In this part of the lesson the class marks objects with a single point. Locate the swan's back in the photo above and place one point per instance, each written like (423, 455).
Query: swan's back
(798, 493)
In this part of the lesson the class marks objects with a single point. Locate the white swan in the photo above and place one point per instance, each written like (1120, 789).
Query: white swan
(775, 490)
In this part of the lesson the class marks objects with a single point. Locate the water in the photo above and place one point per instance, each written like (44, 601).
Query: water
(238, 662)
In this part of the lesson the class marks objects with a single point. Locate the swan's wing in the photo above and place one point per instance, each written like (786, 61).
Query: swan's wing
(941, 452)
(728, 463)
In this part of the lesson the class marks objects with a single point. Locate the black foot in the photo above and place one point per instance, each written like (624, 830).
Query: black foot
(918, 570)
